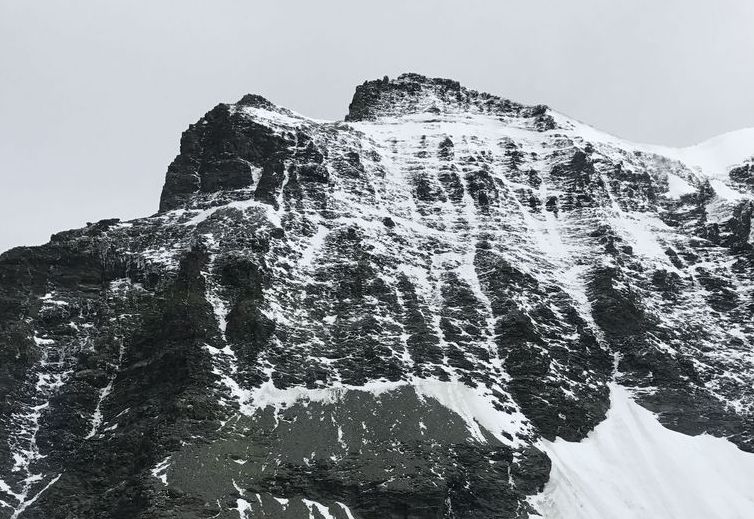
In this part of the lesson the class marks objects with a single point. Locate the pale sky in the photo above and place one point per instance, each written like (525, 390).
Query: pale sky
(94, 95)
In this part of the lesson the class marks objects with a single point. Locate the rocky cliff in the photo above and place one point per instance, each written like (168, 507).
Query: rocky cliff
(381, 317)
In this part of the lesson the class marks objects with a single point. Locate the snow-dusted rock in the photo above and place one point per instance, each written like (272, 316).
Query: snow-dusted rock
(387, 316)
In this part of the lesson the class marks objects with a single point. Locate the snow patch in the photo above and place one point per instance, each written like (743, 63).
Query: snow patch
(272, 216)
(474, 405)
(322, 509)
(26, 503)
(631, 467)
(160, 471)
(476, 408)
(244, 508)
(717, 155)
(316, 243)
(713, 158)
(97, 416)
(345, 509)
(677, 187)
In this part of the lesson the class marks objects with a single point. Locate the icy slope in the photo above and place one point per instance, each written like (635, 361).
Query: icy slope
(631, 467)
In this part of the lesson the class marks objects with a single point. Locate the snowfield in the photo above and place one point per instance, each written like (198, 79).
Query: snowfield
(631, 467)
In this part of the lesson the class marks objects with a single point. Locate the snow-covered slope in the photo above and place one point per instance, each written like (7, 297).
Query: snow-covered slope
(713, 158)
(385, 316)
(631, 467)
(717, 156)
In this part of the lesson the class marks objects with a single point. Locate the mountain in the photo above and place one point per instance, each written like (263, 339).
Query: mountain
(422, 311)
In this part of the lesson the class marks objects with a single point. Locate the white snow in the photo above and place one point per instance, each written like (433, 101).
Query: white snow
(274, 118)
(474, 405)
(283, 502)
(160, 470)
(47, 377)
(316, 243)
(712, 158)
(42, 341)
(239, 394)
(244, 508)
(23, 505)
(715, 156)
(242, 205)
(724, 191)
(345, 509)
(631, 467)
(269, 395)
(48, 300)
(97, 416)
(677, 187)
(322, 509)
(641, 231)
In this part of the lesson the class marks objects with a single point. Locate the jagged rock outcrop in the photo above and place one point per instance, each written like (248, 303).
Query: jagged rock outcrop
(373, 318)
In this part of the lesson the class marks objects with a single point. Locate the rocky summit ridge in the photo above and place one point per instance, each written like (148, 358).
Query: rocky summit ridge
(381, 317)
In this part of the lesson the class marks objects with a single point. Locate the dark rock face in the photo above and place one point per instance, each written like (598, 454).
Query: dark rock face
(223, 152)
(413, 94)
(373, 318)
(743, 175)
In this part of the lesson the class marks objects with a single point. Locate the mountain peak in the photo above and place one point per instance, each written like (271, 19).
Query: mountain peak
(392, 317)
(257, 101)
(412, 93)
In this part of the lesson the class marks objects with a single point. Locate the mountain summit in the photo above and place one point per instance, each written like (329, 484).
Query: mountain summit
(412, 313)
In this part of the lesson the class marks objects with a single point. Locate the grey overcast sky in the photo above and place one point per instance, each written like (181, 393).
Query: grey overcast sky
(94, 95)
